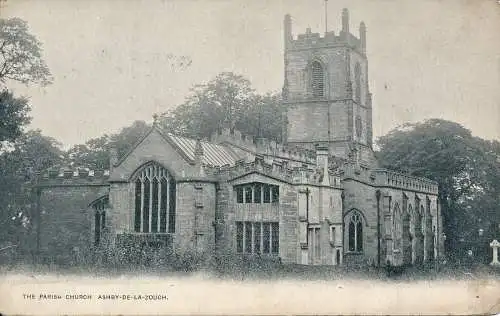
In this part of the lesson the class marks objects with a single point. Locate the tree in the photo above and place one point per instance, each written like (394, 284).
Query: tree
(20, 54)
(95, 153)
(31, 152)
(13, 116)
(447, 152)
(227, 100)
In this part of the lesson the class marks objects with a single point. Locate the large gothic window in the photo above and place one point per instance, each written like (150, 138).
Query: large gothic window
(357, 80)
(355, 232)
(318, 80)
(154, 201)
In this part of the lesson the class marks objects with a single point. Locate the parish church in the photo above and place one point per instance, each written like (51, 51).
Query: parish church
(317, 198)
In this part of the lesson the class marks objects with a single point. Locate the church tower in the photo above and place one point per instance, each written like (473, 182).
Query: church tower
(326, 90)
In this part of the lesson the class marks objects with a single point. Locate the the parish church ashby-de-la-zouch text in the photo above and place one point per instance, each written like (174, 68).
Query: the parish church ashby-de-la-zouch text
(317, 198)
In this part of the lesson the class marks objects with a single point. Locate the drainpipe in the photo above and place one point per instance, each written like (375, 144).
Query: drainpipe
(377, 194)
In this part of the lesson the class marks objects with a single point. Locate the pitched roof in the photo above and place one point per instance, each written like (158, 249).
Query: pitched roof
(213, 154)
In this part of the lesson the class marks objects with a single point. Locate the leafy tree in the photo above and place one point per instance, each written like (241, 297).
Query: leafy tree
(20, 61)
(13, 116)
(446, 152)
(31, 152)
(227, 100)
(94, 154)
(264, 117)
(20, 54)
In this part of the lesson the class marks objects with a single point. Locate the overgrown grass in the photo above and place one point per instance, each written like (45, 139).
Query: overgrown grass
(241, 268)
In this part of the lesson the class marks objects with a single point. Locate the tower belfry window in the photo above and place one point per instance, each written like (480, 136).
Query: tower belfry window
(318, 80)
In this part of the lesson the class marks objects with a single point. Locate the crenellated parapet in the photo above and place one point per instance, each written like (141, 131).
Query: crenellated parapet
(310, 40)
(388, 178)
(264, 146)
(72, 177)
(278, 170)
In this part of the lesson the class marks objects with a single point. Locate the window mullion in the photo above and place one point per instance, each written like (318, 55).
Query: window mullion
(167, 213)
(142, 206)
(158, 222)
(150, 208)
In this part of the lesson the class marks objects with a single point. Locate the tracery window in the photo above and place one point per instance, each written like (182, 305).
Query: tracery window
(318, 80)
(397, 227)
(100, 207)
(355, 232)
(154, 201)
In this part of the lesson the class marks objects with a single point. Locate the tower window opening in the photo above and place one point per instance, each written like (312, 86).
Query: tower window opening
(318, 80)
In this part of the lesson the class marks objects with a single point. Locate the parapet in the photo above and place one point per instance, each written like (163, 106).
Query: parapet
(264, 146)
(389, 178)
(315, 40)
(70, 177)
(309, 40)
(278, 170)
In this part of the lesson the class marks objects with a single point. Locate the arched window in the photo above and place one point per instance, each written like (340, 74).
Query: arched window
(355, 232)
(397, 226)
(99, 207)
(154, 201)
(317, 80)
(357, 80)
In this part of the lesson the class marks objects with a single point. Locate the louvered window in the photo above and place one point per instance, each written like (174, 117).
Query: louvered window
(318, 80)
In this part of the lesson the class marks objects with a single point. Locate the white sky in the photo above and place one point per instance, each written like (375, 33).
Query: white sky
(427, 59)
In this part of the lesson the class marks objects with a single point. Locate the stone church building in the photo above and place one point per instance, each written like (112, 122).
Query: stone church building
(317, 199)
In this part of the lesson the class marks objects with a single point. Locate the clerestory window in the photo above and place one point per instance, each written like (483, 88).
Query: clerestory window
(257, 193)
(154, 201)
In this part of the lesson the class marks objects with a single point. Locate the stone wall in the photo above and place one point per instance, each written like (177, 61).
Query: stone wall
(65, 222)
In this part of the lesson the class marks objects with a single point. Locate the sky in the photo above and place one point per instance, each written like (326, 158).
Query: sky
(112, 60)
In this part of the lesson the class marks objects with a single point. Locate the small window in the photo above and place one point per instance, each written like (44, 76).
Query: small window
(257, 238)
(266, 237)
(332, 234)
(248, 237)
(239, 195)
(267, 193)
(275, 194)
(248, 194)
(239, 237)
(275, 237)
(257, 193)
